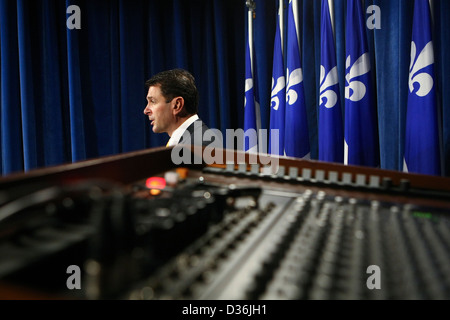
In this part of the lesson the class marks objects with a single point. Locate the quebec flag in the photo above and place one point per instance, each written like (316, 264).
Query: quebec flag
(296, 139)
(277, 105)
(331, 128)
(251, 107)
(422, 151)
(361, 129)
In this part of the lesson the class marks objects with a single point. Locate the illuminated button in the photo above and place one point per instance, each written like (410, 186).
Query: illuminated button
(155, 192)
(182, 172)
(155, 184)
(171, 177)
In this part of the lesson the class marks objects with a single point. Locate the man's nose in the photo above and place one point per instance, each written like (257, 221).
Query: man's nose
(146, 110)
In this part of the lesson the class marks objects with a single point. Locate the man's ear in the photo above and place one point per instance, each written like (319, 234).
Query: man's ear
(178, 105)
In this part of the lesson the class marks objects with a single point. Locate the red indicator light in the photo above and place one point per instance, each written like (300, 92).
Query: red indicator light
(155, 183)
(155, 192)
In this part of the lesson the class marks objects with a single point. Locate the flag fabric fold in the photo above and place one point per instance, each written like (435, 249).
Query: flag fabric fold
(296, 138)
(422, 146)
(251, 106)
(278, 95)
(330, 128)
(361, 127)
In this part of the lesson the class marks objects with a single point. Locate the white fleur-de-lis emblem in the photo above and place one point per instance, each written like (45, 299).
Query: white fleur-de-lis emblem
(294, 78)
(356, 90)
(328, 97)
(425, 80)
(276, 88)
(248, 87)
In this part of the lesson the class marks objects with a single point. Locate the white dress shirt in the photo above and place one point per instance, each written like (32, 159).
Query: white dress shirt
(178, 133)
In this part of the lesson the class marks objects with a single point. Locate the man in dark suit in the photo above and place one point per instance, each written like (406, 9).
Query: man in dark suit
(172, 107)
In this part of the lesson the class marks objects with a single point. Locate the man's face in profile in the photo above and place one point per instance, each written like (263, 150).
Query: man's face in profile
(159, 111)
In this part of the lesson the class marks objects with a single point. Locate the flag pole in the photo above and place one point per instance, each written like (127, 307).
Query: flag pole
(278, 92)
(331, 9)
(251, 5)
(281, 13)
(252, 118)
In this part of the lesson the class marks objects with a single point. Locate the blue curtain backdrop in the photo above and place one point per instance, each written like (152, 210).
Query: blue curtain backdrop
(69, 95)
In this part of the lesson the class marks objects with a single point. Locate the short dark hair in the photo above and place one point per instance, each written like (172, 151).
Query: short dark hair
(177, 83)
